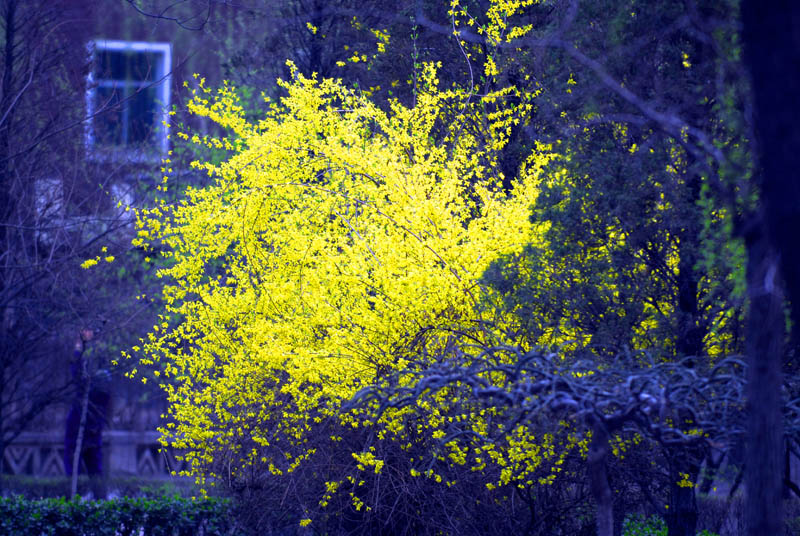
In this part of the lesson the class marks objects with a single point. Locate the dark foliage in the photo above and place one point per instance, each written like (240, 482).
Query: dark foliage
(167, 516)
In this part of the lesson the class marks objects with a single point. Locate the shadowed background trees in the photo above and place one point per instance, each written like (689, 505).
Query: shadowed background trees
(42, 185)
(650, 206)
(58, 207)
(770, 38)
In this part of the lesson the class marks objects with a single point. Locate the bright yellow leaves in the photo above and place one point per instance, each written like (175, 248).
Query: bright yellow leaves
(500, 14)
(685, 481)
(383, 39)
(333, 234)
(367, 459)
(88, 263)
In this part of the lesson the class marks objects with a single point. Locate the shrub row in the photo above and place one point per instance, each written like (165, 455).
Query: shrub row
(164, 516)
(639, 525)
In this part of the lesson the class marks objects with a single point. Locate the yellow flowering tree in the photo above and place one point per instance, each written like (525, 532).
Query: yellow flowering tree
(344, 248)
(339, 243)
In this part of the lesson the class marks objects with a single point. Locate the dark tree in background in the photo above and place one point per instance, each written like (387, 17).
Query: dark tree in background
(39, 167)
(376, 45)
(636, 251)
(646, 103)
(55, 210)
(771, 37)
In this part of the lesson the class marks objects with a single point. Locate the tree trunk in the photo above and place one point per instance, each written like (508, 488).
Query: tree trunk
(691, 328)
(76, 456)
(6, 198)
(771, 39)
(2, 462)
(771, 36)
(765, 335)
(6, 112)
(598, 478)
(681, 517)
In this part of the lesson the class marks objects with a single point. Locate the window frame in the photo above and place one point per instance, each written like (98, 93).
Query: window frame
(161, 82)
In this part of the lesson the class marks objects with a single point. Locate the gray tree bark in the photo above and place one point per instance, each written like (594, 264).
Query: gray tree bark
(76, 456)
(771, 39)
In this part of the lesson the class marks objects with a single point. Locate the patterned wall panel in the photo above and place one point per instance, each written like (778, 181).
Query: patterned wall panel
(124, 453)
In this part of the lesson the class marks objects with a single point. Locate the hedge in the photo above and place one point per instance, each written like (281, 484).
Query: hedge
(164, 516)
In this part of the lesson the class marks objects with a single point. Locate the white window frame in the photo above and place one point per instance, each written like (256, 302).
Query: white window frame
(161, 81)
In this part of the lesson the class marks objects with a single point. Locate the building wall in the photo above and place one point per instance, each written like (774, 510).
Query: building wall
(79, 185)
(125, 453)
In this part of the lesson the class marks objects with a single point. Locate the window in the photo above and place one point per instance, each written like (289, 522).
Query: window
(128, 97)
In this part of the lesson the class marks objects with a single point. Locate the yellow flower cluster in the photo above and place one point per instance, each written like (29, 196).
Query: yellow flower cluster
(333, 234)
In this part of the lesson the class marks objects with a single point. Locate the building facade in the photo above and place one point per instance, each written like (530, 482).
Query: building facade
(86, 90)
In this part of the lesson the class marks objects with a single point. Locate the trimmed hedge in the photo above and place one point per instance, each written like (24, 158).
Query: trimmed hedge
(639, 525)
(164, 516)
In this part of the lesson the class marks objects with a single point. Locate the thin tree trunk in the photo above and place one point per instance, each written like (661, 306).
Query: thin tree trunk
(6, 109)
(598, 478)
(76, 456)
(6, 198)
(2, 462)
(681, 518)
(2, 419)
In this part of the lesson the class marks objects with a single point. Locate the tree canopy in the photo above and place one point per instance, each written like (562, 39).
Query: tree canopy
(495, 285)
